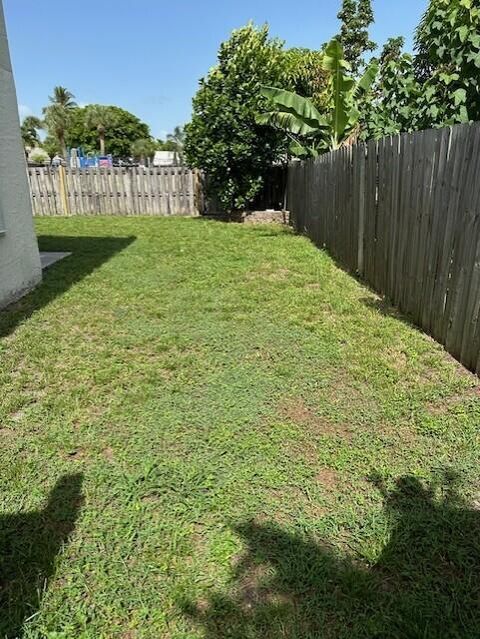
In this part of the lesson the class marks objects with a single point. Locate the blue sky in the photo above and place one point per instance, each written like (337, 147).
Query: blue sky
(147, 55)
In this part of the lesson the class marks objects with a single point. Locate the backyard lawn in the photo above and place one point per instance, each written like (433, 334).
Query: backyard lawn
(210, 430)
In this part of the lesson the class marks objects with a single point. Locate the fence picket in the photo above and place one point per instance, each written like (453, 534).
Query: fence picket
(116, 191)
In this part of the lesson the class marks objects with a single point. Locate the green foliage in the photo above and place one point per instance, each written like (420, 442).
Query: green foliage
(223, 137)
(124, 128)
(392, 50)
(439, 86)
(51, 146)
(297, 117)
(29, 130)
(176, 143)
(39, 158)
(62, 97)
(100, 118)
(177, 137)
(448, 62)
(392, 108)
(309, 130)
(306, 74)
(143, 148)
(356, 17)
(165, 145)
(57, 120)
(58, 115)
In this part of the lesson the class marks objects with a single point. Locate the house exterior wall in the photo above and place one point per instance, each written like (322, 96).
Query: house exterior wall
(19, 257)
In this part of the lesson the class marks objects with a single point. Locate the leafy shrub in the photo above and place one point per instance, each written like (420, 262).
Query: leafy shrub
(223, 138)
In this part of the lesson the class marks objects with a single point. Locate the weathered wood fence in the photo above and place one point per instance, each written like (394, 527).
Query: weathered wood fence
(116, 191)
(404, 213)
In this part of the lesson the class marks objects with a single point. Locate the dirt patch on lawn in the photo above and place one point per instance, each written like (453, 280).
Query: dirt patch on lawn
(295, 410)
(269, 272)
(108, 454)
(75, 454)
(328, 478)
(445, 405)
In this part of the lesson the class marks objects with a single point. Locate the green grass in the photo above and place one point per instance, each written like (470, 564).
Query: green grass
(210, 430)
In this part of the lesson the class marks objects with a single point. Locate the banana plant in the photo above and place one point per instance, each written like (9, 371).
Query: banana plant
(311, 132)
(298, 118)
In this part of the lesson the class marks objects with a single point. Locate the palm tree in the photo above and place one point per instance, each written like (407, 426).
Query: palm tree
(29, 128)
(177, 138)
(63, 97)
(58, 114)
(101, 118)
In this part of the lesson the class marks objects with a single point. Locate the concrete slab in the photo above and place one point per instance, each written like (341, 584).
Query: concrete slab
(48, 258)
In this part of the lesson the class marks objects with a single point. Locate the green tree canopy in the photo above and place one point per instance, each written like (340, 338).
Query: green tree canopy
(393, 104)
(165, 145)
(124, 128)
(29, 129)
(51, 146)
(306, 74)
(58, 115)
(223, 137)
(356, 17)
(438, 86)
(448, 62)
(176, 142)
(101, 119)
(143, 148)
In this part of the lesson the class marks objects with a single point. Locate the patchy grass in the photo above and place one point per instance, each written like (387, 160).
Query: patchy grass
(209, 430)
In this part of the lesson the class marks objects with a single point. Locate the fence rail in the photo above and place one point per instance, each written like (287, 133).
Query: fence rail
(115, 191)
(404, 213)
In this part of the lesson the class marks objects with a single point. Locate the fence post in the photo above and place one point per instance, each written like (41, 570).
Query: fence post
(63, 189)
(361, 211)
(199, 191)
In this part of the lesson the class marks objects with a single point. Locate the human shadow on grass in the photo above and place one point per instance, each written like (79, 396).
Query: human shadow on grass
(29, 544)
(88, 254)
(425, 583)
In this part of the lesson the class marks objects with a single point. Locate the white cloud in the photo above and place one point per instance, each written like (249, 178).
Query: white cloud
(24, 111)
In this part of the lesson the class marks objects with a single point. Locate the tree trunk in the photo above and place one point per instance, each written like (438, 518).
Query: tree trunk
(63, 146)
(102, 143)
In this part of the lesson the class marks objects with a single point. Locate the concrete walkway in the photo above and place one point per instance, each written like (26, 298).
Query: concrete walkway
(48, 258)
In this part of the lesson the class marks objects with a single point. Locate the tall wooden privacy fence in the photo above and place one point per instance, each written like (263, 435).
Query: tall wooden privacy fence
(404, 213)
(115, 191)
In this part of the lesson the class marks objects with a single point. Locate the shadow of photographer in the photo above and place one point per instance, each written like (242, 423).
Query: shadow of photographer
(425, 583)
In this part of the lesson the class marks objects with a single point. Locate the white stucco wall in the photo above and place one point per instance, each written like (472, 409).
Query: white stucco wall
(19, 258)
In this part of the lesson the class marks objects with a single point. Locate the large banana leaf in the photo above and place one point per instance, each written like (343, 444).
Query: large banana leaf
(286, 122)
(301, 151)
(342, 89)
(300, 107)
(333, 57)
(366, 81)
(297, 116)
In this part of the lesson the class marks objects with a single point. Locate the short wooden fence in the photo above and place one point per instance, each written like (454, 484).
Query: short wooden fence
(116, 191)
